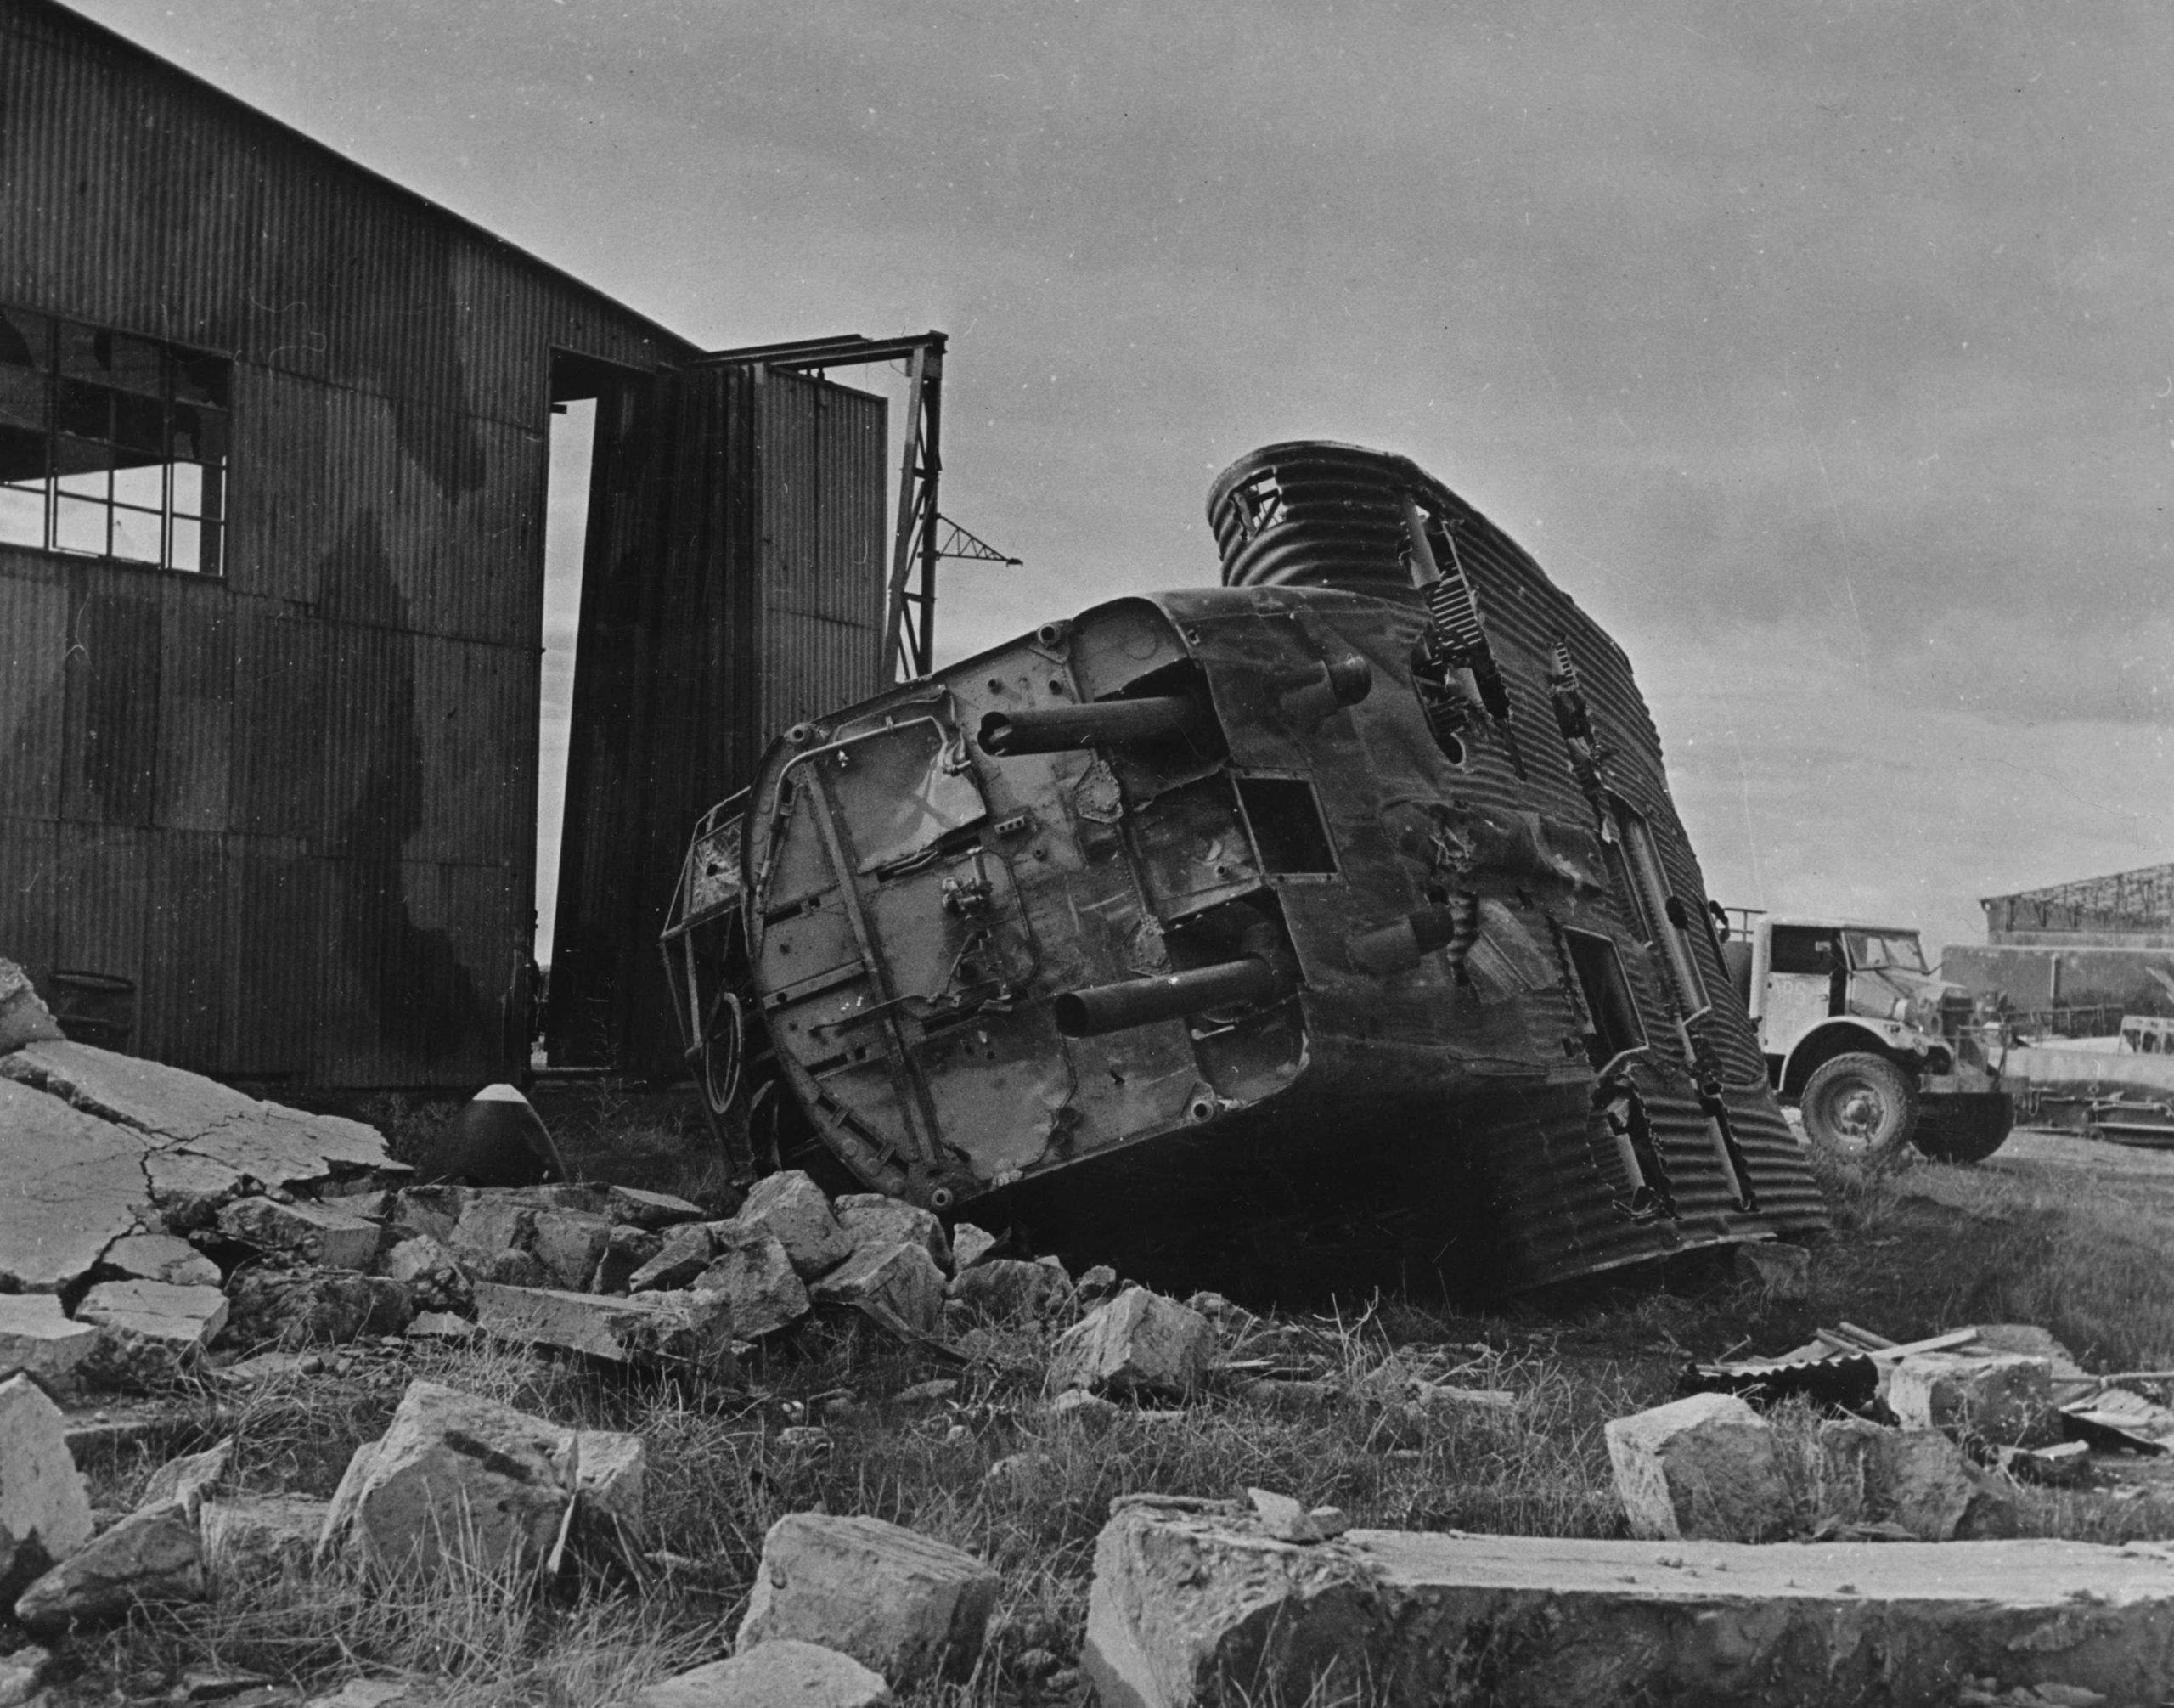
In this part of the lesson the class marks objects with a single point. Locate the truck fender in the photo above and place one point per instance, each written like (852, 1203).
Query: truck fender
(1838, 1036)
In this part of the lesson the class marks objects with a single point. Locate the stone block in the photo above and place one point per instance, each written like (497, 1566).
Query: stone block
(1704, 1467)
(684, 1253)
(189, 1192)
(249, 1538)
(159, 1257)
(899, 1279)
(624, 1253)
(75, 1184)
(37, 1341)
(689, 1329)
(1779, 1271)
(491, 1223)
(2002, 1396)
(778, 1674)
(1003, 1289)
(610, 1482)
(321, 1307)
(791, 1207)
(871, 1219)
(24, 1017)
(153, 1555)
(45, 1510)
(1096, 1284)
(424, 1210)
(304, 1233)
(431, 1274)
(969, 1245)
(902, 1603)
(1139, 1342)
(569, 1244)
(21, 1673)
(184, 1318)
(751, 1269)
(629, 1208)
(188, 1480)
(1198, 1607)
(455, 1478)
(575, 1197)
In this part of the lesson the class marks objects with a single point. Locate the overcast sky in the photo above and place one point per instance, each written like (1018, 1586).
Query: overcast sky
(1822, 352)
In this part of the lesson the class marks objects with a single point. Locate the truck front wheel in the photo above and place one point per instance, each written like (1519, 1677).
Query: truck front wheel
(1965, 1128)
(1861, 1105)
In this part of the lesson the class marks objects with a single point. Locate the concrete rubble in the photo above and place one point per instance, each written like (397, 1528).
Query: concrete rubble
(1993, 1396)
(1702, 1467)
(905, 1605)
(152, 1555)
(45, 1510)
(780, 1673)
(1138, 1342)
(898, 1276)
(1196, 1604)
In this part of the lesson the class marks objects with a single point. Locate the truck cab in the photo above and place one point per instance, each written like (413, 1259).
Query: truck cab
(1865, 1038)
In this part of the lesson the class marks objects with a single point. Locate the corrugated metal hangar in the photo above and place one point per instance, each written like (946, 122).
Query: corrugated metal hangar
(272, 472)
(2098, 943)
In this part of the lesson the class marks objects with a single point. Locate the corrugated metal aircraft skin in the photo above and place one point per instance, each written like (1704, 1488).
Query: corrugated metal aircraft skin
(294, 802)
(925, 897)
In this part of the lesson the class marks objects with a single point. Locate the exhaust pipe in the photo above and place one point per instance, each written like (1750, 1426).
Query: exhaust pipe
(1100, 723)
(1131, 1002)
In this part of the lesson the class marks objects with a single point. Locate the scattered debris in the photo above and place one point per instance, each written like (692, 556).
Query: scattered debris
(793, 1208)
(900, 1276)
(751, 1269)
(2003, 1397)
(185, 1318)
(908, 1606)
(689, 1330)
(771, 1675)
(969, 1245)
(871, 1219)
(188, 1479)
(38, 1340)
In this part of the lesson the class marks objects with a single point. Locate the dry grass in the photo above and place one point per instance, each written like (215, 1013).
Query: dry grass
(1914, 1252)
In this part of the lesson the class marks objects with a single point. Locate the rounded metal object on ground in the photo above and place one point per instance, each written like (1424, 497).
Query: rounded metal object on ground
(1861, 1105)
(1964, 1129)
(497, 1140)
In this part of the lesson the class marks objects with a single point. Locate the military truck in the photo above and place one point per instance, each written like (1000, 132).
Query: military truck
(1876, 1049)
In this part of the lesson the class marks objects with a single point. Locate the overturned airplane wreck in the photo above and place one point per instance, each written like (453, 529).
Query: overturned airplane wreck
(1328, 927)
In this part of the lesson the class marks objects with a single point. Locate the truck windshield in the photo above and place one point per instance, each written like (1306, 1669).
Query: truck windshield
(1870, 949)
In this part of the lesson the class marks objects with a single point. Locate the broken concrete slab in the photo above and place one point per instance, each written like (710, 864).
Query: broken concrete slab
(684, 1254)
(454, 1478)
(24, 1017)
(45, 1509)
(903, 1603)
(2005, 1397)
(37, 1341)
(782, 1673)
(871, 1219)
(153, 1555)
(159, 1257)
(74, 1184)
(418, 1210)
(1139, 1343)
(624, 1253)
(1194, 1607)
(267, 1142)
(184, 1318)
(1003, 1289)
(246, 1537)
(752, 1271)
(1704, 1467)
(693, 1330)
(626, 1207)
(899, 1278)
(306, 1232)
(1916, 1479)
(189, 1192)
(319, 1307)
(791, 1206)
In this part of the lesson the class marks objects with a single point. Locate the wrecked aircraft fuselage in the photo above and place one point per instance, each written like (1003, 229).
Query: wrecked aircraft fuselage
(1334, 924)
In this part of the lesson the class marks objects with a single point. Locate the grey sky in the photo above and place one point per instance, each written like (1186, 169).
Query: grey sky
(1821, 351)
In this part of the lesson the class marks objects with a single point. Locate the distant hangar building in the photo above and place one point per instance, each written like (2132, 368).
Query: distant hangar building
(274, 437)
(2098, 943)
